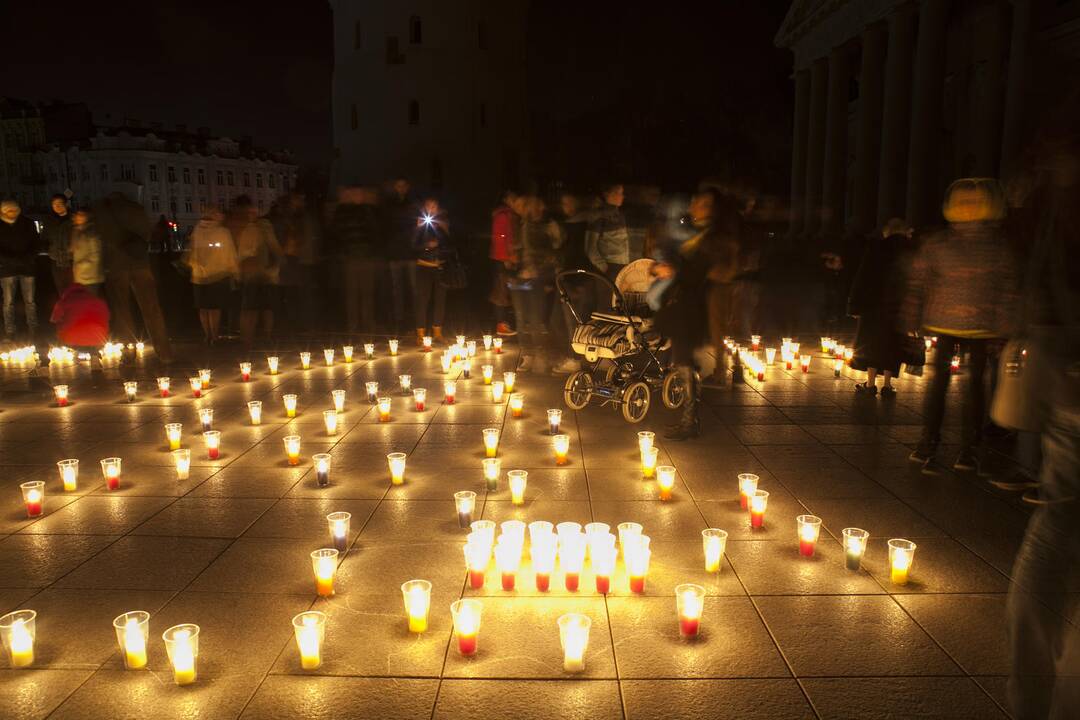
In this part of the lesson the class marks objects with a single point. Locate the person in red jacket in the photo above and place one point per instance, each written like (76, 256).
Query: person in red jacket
(505, 230)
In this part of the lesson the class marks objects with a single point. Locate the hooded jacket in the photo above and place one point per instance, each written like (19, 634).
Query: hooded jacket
(18, 245)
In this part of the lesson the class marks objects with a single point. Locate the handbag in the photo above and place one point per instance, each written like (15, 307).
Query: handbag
(913, 351)
(452, 273)
(1016, 397)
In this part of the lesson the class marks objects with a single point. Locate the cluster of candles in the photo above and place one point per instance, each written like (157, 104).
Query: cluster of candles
(26, 355)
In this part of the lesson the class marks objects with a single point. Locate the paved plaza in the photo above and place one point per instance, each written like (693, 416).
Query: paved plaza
(782, 636)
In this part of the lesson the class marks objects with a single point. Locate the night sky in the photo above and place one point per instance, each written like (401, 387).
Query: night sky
(701, 82)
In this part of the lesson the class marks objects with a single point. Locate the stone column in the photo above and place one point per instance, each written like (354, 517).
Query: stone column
(868, 138)
(836, 116)
(923, 189)
(1013, 125)
(798, 151)
(815, 146)
(892, 177)
(989, 122)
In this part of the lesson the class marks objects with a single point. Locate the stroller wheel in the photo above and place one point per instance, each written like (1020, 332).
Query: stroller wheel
(578, 389)
(635, 402)
(673, 392)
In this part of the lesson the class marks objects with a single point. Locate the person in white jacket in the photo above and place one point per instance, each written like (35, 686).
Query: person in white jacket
(214, 267)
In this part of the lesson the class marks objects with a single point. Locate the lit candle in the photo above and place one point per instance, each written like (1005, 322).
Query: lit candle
(396, 461)
(466, 614)
(339, 400)
(477, 557)
(636, 554)
(305, 360)
(213, 444)
(289, 399)
(509, 378)
(826, 343)
(838, 365)
(372, 390)
(132, 629)
(466, 368)
(542, 550)
(384, 409)
(928, 343)
(484, 532)
(245, 371)
(328, 356)
(809, 530)
(901, 555)
(61, 394)
(447, 362)
(849, 353)
(347, 353)
(321, 461)
(34, 497)
(204, 378)
(492, 471)
(426, 342)
(748, 483)
(491, 441)
(690, 602)
(497, 344)
(470, 348)
(69, 474)
(163, 386)
(292, 448)
(393, 345)
(561, 445)
(954, 364)
(330, 421)
(645, 440)
(369, 350)
(206, 417)
(854, 547)
(487, 342)
(110, 468)
(255, 412)
(517, 480)
(182, 646)
(758, 501)
(714, 541)
(182, 459)
(417, 595)
(574, 638)
(789, 358)
(487, 372)
(131, 390)
(933, 341)
(172, 434)
(597, 534)
(572, 548)
(419, 398)
(665, 480)
(508, 560)
(628, 531)
(310, 629)
(465, 503)
(770, 355)
(794, 347)
(755, 342)
(517, 404)
(804, 361)
(272, 364)
(140, 348)
(603, 563)
(554, 416)
(324, 563)
(338, 523)
(497, 389)
(449, 392)
(405, 381)
(17, 631)
(513, 531)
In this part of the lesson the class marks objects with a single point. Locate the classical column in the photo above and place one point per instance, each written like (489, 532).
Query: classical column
(836, 117)
(868, 137)
(1013, 125)
(922, 182)
(815, 146)
(896, 112)
(798, 151)
(989, 121)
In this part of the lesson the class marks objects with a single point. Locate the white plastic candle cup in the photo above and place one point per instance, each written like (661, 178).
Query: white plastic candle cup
(131, 390)
(417, 595)
(132, 632)
(372, 390)
(292, 448)
(466, 368)
(369, 350)
(18, 631)
(339, 400)
(574, 639)
(648, 462)
(206, 417)
(492, 471)
(646, 439)
(770, 356)
(901, 556)
(509, 379)
(554, 416)
(33, 494)
(330, 421)
(338, 524)
(690, 603)
(305, 360)
(714, 543)
(809, 528)
(272, 364)
(328, 356)
(627, 532)
(748, 483)
(69, 474)
(289, 399)
(383, 405)
(405, 381)
(324, 563)
(396, 462)
(255, 412)
(540, 529)
(309, 629)
(182, 459)
(561, 445)
(466, 614)
(517, 479)
(854, 547)
(487, 342)
(419, 398)
(483, 532)
(426, 342)
(163, 384)
(491, 441)
(470, 348)
(321, 462)
(182, 646)
(392, 344)
(497, 390)
(447, 361)
(110, 470)
(465, 504)
(517, 404)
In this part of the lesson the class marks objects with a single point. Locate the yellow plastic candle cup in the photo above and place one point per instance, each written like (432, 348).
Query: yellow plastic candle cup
(172, 435)
(255, 412)
(901, 556)
(574, 639)
(714, 542)
(309, 628)
(330, 420)
(18, 631)
(417, 596)
(324, 562)
(339, 400)
(347, 353)
(383, 405)
(648, 462)
(665, 481)
(182, 459)
(289, 400)
(488, 372)
(328, 356)
(561, 445)
(396, 461)
(517, 404)
(517, 480)
(69, 474)
(132, 632)
(491, 441)
(305, 360)
(182, 646)
(292, 448)
(272, 364)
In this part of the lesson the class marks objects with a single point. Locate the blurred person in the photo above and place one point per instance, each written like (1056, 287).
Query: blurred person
(607, 240)
(56, 232)
(431, 244)
(963, 288)
(85, 253)
(354, 229)
(530, 279)
(297, 232)
(214, 268)
(398, 225)
(260, 257)
(876, 297)
(506, 222)
(580, 291)
(18, 247)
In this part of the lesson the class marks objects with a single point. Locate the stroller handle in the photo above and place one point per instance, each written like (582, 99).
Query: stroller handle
(560, 286)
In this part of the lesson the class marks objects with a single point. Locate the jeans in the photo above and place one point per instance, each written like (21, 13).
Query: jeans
(401, 287)
(26, 286)
(974, 400)
(426, 285)
(120, 282)
(529, 314)
(1046, 569)
(360, 294)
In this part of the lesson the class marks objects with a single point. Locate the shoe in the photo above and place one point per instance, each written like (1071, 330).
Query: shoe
(505, 330)
(888, 392)
(1032, 497)
(1016, 482)
(967, 461)
(566, 366)
(923, 452)
(525, 364)
(867, 389)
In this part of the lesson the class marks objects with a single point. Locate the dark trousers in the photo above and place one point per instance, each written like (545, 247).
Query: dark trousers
(401, 273)
(120, 283)
(360, 294)
(529, 314)
(427, 287)
(973, 413)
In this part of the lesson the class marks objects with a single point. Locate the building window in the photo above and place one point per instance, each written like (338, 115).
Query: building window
(200, 176)
(414, 112)
(358, 35)
(272, 180)
(483, 114)
(172, 207)
(127, 172)
(416, 30)
(354, 117)
(481, 35)
(104, 171)
(186, 174)
(187, 205)
(153, 173)
(155, 203)
(202, 204)
(247, 179)
(393, 52)
(220, 177)
(229, 178)
(171, 174)
(258, 180)
(285, 183)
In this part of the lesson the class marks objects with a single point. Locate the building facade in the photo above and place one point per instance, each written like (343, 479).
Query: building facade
(894, 99)
(21, 130)
(432, 91)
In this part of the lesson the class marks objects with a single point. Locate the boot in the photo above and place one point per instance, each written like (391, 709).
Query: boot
(689, 425)
(436, 333)
(419, 337)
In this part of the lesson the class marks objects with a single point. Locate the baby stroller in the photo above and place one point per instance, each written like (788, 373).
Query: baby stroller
(625, 359)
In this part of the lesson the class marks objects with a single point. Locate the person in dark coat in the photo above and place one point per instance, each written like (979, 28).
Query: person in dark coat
(56, 236)
(18, 246)
(355, 232)
(431, 244)
(876, 295)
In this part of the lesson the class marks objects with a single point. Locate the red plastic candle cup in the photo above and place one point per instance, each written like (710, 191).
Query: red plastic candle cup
(690, 602)
(245, 371)
(477, 555)
(34, 497)
(61, 394)
(449, 392)
(809, 529)
(748, 483)
(603, 562)
(163, 386)
(419, 398)
(954, 365)
(804, 362)
(466, 614)
(636, 554)
(572, 548)
(110, 469)
(758, 501)
(497, 344)
(213, 444)
(196, 387)
(542, 548)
